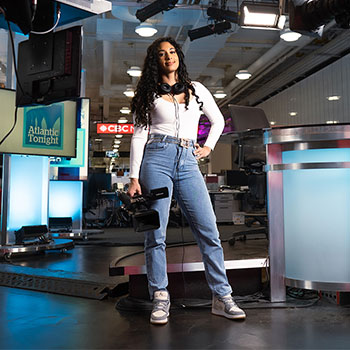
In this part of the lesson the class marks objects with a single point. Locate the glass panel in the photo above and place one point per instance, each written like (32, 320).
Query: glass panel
(316, 218)
(66, 200)
(317, 155)
(28, 191)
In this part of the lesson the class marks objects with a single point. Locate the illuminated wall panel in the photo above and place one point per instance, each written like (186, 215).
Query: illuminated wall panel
(316, 217)
(28, 191)
(65, 200)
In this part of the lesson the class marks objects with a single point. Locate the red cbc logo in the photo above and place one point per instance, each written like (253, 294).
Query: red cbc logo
(115, 129)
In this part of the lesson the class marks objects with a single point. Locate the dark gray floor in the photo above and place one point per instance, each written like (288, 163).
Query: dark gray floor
(36, 320)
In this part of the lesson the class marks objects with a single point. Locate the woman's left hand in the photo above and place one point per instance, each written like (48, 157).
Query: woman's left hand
(201, 152)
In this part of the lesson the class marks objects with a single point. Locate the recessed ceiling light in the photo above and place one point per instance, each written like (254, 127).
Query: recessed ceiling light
(332, 121)
(243, 74)
(293, 114)
(333, 98)
(134, 71)
(272, 123)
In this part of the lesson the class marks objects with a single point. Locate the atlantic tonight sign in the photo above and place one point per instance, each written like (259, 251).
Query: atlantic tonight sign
(43, 127)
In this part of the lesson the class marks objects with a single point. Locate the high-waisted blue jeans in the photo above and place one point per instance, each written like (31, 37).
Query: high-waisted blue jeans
(175, 167)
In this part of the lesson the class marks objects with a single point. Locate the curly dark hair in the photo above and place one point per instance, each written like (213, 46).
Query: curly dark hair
(147, 87)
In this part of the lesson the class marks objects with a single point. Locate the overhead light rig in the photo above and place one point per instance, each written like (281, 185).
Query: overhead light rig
(221, 18)
(155, 8)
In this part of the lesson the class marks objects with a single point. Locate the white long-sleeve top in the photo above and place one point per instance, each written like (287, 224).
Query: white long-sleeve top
(164, 122)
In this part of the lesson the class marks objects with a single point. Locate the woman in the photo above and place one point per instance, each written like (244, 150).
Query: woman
(167, 107)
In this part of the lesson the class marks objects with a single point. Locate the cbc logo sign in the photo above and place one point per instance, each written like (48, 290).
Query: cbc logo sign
(115, 129)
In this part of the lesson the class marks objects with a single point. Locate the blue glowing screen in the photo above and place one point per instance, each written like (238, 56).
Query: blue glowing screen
(65, 200)
(28, 191)
(316, 217)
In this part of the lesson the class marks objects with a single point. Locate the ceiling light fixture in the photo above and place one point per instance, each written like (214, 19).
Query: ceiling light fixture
(220, 94)
(243, 74)
(332, 121)
(261, 14)
(288, 35)
(117, 142)
(272, 123)
(146, 30)
(154, 8)
(125, 110)
(129, 92)
(134, 71)
(333, 98)
(293, 114)
(122, 120)
(118, 136)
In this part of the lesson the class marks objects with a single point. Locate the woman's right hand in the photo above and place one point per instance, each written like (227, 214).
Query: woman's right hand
(134, 187)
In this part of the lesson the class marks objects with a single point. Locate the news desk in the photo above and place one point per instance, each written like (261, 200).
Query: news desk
(308, 176)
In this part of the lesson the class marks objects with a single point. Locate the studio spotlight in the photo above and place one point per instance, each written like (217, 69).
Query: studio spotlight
(154, 8)
(261, 14)
(217, 28)
(222, 15)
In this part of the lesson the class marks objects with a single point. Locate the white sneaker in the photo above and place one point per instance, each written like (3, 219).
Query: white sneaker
(161, 306)
(225, 306)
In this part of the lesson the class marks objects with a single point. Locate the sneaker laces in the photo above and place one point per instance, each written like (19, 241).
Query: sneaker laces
(229, 302)
(159, 306)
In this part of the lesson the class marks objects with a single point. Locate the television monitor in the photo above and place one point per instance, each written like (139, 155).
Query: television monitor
(246, 118)
(40, 130)
(111, 154)
(236, 178)
(49, 67)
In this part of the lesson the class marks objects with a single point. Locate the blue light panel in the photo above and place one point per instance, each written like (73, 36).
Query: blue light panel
(65, 200)
(316, 217)
(28, 191)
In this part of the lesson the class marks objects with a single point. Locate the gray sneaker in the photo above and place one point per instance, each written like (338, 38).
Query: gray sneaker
(161, 306)
(225, 306)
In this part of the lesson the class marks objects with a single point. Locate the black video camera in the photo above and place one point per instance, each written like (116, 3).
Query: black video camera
(144, 218)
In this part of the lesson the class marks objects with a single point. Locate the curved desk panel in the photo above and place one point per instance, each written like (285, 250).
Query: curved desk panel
(308, 174)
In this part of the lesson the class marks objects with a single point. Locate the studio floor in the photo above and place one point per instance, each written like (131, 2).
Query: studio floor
(30, 319)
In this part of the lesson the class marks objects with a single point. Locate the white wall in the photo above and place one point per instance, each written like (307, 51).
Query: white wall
(309, 98)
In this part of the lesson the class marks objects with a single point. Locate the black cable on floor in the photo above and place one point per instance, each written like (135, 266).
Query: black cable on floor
(254, 301)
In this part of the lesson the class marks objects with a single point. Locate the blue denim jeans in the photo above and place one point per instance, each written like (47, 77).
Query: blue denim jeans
(175, 167)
